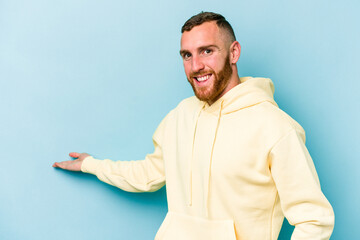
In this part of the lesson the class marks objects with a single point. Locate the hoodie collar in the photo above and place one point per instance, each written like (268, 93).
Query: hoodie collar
(249, 92)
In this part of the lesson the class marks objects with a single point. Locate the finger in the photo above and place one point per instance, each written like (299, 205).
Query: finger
(62, 165)
(74, 154)
(57, 165)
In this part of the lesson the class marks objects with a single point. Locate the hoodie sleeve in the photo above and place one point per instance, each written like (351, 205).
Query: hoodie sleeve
(146, 175)
(302, 200)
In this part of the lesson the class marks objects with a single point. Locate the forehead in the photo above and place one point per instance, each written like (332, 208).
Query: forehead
(205, 34)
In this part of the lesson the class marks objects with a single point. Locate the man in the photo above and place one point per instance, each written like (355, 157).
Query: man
(234, 164)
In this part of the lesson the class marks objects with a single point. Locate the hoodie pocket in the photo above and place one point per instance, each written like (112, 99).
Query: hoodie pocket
(178, 226)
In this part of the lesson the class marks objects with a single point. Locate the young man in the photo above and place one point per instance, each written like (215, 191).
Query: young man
(234, 164)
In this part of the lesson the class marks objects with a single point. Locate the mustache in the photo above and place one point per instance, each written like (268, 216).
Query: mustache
(200, 73)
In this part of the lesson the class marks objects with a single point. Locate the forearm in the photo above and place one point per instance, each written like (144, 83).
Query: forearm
(132, 176)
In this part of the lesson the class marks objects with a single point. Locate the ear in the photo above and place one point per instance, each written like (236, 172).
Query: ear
(235, 50)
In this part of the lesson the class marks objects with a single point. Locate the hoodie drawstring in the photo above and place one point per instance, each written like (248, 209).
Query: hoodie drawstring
(192, 157)
(207, 190)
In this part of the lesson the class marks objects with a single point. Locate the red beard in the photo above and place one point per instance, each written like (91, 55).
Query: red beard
(211, 93)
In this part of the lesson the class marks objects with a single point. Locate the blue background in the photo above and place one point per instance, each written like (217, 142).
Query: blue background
(98, 77)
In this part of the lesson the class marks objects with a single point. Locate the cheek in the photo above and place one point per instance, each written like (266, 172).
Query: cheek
(213, 63)
(187, 68)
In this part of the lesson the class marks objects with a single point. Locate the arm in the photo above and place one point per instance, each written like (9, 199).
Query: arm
(302, 201)
(134, 176)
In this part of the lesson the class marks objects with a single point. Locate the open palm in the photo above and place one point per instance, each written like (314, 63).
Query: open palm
(72, 165)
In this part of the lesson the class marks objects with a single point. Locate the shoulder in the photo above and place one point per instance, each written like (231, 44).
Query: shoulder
(184, 108)
(279, 121)
(188, 106)
(189, 102)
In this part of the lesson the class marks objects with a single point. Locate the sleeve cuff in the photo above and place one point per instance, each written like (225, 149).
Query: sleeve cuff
(90, 165)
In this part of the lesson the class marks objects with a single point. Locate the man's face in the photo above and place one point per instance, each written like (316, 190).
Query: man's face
(205, 53)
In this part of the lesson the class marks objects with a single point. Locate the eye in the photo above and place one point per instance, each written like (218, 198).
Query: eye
(186, 56)
(207, 51)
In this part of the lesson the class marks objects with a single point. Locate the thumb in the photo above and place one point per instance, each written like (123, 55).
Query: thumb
(74, 154)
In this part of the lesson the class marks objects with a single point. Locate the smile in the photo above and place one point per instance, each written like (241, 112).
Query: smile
(203, 78)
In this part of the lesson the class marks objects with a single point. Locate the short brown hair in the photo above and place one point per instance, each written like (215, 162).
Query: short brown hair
(202, 17)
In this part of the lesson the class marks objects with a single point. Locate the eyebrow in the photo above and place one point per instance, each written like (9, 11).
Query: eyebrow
(182, 52)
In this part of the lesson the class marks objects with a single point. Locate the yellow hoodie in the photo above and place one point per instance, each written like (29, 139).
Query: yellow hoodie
(232, 170)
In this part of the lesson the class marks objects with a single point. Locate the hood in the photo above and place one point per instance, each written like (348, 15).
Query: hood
(251, 91)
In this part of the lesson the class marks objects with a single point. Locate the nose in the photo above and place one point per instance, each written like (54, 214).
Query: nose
(197, 64)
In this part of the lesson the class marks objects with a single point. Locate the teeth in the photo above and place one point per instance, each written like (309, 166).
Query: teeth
(203, 78)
